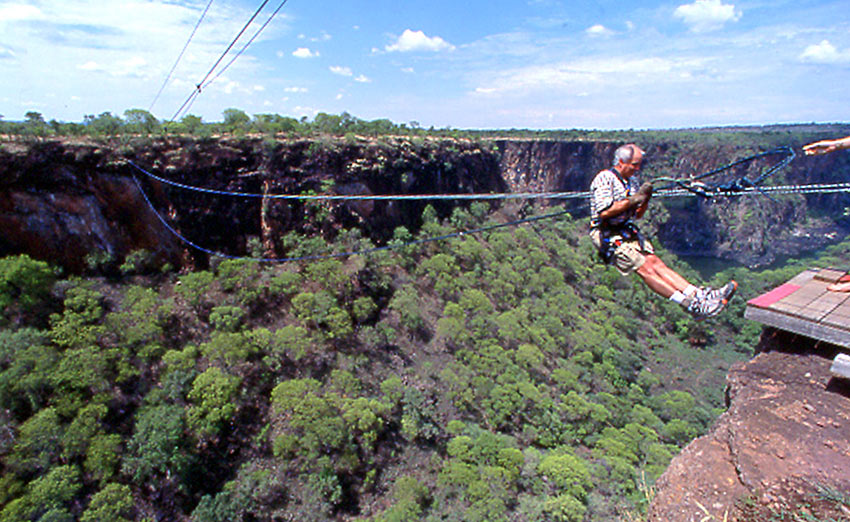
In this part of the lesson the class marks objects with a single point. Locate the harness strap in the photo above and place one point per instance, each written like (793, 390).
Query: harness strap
(612, 237)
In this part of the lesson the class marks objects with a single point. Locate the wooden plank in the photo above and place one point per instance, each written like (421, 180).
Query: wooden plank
(786, 308)
(799, 299)
(842, 309)
(836, 320)
(834, 297)
(830, 275)
(822, 305)
(819, 331)
(803, 277)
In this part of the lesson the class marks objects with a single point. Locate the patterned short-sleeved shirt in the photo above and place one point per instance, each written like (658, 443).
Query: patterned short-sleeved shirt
(606, 188)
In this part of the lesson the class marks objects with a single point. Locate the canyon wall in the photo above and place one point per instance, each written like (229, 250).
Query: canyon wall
(62, 200)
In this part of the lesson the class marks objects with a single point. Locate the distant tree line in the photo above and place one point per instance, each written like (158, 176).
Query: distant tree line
(236, 122)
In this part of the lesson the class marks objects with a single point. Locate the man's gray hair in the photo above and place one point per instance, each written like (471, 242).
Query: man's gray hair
(625, 153)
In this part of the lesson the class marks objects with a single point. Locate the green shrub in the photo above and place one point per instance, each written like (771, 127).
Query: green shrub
(242, 278)
(158, 447)
(137, 262)
(227, 318)
(103, 457)
(212, 402)
(320, 310)
(38, 445)
(24, 283)
(194, 287)
(113, 503)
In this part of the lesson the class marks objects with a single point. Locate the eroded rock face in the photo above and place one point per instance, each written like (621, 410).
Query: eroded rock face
(60, 203)
(788, 422)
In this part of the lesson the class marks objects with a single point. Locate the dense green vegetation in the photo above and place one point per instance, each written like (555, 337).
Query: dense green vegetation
(505, 376)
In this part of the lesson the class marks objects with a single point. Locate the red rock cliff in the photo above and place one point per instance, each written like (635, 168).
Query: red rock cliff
(784, 439)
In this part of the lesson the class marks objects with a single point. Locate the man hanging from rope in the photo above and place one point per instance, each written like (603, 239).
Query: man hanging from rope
(615, 203)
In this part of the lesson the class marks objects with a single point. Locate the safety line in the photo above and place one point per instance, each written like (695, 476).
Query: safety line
(180, 56)
(362, 197)
(786, 189)
(317, 257)
(738, 188)
(238, 54)
(694, 185)
(697, 189)
(673, 192)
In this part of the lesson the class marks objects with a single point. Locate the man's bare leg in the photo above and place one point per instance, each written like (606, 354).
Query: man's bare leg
(660, 278)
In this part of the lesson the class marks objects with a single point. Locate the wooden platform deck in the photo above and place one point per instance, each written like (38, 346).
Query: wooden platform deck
(804, 306)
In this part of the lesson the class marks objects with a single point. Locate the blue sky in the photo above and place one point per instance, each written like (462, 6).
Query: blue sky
(540, 64)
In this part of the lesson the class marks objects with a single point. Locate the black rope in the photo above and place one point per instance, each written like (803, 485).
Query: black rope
(200, 85)
(180, 56)
(709, 190)
(241, 51)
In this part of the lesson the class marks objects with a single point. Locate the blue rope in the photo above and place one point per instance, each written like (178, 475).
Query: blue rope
(364, 197)
(678, 187)
(317, 257)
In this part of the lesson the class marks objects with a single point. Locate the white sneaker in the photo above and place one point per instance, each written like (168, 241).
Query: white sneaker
(702, 308)
(724, 292)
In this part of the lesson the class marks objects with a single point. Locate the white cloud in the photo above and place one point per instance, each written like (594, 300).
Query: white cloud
(304, 52)
(417, 41)
(363, 79)
(341, 71)
(19, 13)
(598, 30)
(578, 76)
(707, 15)
(228, 86)
(825, 53)
(131, 67)
(90, 66)
(295, 89)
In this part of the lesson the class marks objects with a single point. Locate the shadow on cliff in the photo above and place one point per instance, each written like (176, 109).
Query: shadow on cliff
(775, 340)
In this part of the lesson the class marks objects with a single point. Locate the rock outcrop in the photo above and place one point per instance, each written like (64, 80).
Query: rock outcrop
(785, 435)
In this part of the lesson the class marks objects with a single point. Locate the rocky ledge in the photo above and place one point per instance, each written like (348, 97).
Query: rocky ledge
(783, 442)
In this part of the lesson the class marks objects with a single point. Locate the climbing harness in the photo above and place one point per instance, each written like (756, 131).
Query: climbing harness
(611, 238)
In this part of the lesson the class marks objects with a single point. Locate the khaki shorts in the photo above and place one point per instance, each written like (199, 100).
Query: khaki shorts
(629, 256)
